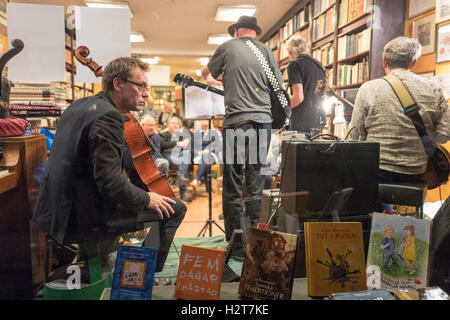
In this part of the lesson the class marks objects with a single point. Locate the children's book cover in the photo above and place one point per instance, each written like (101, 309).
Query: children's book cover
(398, 252)
(269, 265)
(334, 257)
(199, 273)
(133, 273)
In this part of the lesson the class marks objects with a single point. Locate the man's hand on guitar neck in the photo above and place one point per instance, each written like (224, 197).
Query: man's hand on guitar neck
(161, 204)
(210, 81)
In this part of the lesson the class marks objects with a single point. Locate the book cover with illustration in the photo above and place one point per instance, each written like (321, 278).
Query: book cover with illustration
(334, 257)
(269, 265)
(199, 273)
(398, 252)
(133, 273)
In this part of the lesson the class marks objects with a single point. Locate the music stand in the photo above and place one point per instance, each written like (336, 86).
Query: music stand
(210, 221)
(210, 116)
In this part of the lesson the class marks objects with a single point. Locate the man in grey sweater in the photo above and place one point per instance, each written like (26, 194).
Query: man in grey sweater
(378, 115)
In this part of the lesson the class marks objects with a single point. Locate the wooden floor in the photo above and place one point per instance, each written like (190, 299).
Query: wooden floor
(198, 212)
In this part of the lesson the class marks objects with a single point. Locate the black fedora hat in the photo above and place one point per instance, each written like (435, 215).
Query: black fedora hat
(245, 22)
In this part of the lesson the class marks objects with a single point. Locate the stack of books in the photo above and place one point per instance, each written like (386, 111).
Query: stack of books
(37, 100)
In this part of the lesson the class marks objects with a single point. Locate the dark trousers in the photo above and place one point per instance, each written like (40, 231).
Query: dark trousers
(243, 174)
(167, 229)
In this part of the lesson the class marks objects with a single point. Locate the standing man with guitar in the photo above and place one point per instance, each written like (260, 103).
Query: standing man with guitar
(247, 112)
(378, 115)
(84, 197)
(303, 73)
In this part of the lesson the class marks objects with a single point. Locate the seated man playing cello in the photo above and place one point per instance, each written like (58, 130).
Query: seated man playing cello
(84, 197)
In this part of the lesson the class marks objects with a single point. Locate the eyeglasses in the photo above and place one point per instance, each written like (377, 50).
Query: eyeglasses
(142, 87)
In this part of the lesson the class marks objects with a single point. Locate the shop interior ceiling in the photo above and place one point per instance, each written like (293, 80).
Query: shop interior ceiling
(177, 31)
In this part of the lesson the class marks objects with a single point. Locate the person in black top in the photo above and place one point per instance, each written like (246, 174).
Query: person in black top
(303, 74)
(84, 197)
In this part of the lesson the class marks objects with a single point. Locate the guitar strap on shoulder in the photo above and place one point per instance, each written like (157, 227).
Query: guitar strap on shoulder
(411, 109)
(275, 85)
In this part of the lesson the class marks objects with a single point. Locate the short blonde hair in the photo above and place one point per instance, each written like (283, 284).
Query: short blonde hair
(297, 45)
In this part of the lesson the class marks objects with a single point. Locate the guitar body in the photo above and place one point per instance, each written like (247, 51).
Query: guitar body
(438, 168)
(140, 149)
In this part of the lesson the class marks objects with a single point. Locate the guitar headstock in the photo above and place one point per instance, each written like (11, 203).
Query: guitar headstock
(183, 80)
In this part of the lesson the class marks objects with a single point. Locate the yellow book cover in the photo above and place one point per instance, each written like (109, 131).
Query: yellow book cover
(334, 257)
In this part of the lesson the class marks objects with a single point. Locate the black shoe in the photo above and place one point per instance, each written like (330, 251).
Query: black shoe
(162, 282)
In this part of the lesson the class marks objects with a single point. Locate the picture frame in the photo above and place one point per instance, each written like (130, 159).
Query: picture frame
(442, 10)
(424, 30)
(417, 7)
(443, 43)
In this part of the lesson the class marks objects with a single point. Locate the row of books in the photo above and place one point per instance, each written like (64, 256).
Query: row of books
(324, 24)
(352, 9)
(335, 261)
(321, 5)
(353, 44)
(324, 54)
(348, 74)
(297, 22)
(38, 94)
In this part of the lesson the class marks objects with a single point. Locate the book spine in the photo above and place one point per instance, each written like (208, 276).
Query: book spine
(32, 103)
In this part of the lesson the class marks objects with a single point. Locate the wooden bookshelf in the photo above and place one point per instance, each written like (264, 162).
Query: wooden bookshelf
(352, 22)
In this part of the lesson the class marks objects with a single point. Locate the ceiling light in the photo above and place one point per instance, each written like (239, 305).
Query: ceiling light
(232, 13)
(218, 39)
(204, 61)
(109, 4)
(153, 60)
(137, 37)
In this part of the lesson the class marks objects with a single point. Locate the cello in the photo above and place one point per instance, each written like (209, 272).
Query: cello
(147, 176)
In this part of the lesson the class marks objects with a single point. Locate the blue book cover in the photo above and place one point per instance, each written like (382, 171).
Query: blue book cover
(133, 273)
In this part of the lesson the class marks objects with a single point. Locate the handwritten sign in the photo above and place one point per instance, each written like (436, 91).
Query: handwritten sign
(199, 273)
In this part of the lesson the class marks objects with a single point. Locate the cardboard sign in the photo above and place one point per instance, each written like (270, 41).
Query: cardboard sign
(199, 273)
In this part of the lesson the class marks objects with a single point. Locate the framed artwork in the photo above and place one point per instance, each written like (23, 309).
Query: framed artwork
(442, 10)
(417, 7)
(443, 43)
(424, 31)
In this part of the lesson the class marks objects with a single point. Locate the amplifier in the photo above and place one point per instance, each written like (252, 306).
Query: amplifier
(322, 167)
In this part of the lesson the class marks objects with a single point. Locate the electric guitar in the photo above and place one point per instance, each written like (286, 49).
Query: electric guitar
(187, 81)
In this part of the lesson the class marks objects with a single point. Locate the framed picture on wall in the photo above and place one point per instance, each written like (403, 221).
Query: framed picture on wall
(417, 7)
(443, 43)
(442, 10)
(424, 31)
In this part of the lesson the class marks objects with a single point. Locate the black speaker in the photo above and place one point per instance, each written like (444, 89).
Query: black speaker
(440, 248)
(322, 167)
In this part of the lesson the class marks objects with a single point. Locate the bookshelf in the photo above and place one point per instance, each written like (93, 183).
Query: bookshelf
(346, 36)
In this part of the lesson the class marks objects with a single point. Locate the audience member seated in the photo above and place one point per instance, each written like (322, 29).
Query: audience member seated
(207, 150)
(148, 124)
(175, 147)
(166, 115)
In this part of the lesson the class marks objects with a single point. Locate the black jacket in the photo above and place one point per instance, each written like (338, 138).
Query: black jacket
(83, 195)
